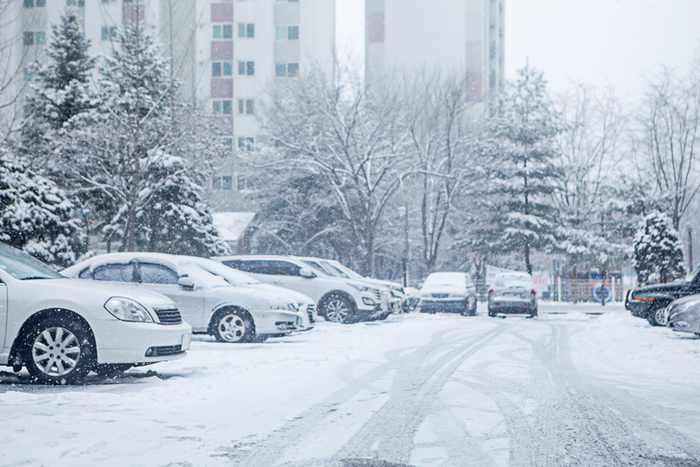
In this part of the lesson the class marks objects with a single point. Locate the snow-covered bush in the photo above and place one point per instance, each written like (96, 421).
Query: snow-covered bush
(658, 252)
(35, 214)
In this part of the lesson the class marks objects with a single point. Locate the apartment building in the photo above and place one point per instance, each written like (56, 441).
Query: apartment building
(227, 54)
(455, 35)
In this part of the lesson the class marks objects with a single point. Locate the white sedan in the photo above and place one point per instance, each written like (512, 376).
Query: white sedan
(206, 300)
(60, 329)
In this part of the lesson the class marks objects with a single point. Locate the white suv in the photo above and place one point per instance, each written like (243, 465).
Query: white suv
(60, 328)
(206, 300)
(339, 300)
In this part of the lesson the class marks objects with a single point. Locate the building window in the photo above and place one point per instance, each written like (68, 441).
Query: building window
(246, 107)
(221, 69)
(80, 3)
(240, 182)
(246, 143)
(246, 30)
(28, 74)
(224, 107)
(246, 68)
(40, 38)
(34, 3)
(227, 142)
(108, 33)
(284, 33)
(287, 70)
(222, 31)
(224, 182)
(28, 38)
(289, 1)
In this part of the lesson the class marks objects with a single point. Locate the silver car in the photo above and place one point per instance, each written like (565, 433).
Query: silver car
(512, 293)
(684, 314)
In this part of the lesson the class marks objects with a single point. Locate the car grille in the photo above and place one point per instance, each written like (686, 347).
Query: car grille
(378, 294)
(440, 295)
(163, 350)
(170, 316)
(310, 311)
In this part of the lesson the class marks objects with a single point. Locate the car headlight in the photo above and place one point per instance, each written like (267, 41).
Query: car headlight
(364, 288)
(126, 309)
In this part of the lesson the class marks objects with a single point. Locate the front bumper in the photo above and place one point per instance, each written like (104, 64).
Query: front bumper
(639, 308)
(126, 342)
(276, 321)
(446, 305)
(685, 322)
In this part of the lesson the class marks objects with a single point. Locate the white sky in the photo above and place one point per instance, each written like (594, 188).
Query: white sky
(597, 42)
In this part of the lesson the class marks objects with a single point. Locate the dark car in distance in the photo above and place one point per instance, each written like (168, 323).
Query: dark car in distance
(651, 301)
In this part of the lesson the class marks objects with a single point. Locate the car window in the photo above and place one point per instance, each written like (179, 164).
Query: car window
(85, 274)
(283, 268)
(21, 266)
(150, 273)
(255, 267)
(468, 280)
(114, 272)
(447, 278)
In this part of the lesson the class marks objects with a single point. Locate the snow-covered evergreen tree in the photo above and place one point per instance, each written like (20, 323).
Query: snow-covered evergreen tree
(658, 251)
(142, 150)
(35, 214)
(518, 215)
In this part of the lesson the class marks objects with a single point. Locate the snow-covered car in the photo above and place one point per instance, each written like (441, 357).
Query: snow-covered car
(449, 292)
(206, 300)
(683, 315)
(512, 293)
(338, 299)
(337, 269)
(305, 304)
(60, 329)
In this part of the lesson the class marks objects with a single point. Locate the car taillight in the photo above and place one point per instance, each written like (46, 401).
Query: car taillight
(533, 292)
(490, 291)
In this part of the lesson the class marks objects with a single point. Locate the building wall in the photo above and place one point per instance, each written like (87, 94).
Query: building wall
(465, 36)
(227, 54)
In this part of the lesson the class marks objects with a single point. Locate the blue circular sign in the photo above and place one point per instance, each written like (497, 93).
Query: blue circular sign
(595, 291)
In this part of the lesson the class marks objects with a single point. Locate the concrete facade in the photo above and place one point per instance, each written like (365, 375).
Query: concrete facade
(465, 36)
(227, 54)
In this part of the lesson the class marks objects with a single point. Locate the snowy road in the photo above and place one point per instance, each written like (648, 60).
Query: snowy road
(421, 390)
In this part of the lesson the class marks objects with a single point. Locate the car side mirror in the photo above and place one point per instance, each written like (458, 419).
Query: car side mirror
(309, 274)
(186, 282)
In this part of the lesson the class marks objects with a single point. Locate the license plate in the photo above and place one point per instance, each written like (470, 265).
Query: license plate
(186, 340)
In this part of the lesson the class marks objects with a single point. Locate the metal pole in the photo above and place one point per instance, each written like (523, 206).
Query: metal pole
(559, 291)
(613, 290)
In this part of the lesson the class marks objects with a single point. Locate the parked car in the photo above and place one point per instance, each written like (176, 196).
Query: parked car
(512, 293)
(450, 292)
(683, 315)
(60, 329)
(651, 301)
(337, 269)
(206, 300)
(338, 300)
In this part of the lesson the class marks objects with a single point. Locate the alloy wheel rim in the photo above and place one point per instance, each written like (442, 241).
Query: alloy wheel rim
(336, 311)
(56, 351)
(661, 316)
(232, 328)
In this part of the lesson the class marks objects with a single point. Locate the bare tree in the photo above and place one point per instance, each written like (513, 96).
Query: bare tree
(351, 134)
(671, 122)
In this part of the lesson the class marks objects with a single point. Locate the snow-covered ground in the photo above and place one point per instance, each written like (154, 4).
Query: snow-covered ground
(572, 387)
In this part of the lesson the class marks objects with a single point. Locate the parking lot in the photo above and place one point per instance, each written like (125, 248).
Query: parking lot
(579, 385)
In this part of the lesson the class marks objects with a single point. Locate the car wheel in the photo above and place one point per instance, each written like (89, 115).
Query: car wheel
(232, 326)
(657, 317)
(534, 313)
(59, 351)
(110, 371)
(492, 313)
(337, 309)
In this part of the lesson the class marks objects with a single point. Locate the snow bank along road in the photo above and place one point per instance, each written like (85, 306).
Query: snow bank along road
(421, 390)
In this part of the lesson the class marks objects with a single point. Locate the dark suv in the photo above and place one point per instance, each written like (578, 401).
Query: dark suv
(649, 302)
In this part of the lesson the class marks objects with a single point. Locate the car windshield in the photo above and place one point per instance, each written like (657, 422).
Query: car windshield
(22, 266)
(502, 279)
(349, 273)
(457, 279)
(317, 268)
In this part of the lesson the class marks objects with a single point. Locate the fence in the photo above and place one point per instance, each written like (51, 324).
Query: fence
(572, 290)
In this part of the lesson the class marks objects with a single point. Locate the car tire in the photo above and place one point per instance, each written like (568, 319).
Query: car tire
(656, 318)
(534, 313)
(232, 326)
(336, 308)
(110, 371)
(492, 313)
(59, 351)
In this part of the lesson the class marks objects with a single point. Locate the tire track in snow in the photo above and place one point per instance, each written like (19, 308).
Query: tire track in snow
(393, 426)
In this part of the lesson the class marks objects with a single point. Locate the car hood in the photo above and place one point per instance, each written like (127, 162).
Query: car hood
(72, 288)
(661, 288)
(442, 289)
(280, 292)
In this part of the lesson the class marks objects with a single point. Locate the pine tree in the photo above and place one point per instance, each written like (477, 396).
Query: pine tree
(658, 251)
(35, 214)
(517, 213)
(64, 88)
